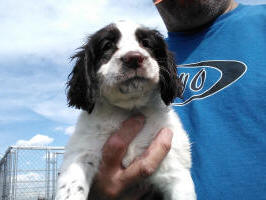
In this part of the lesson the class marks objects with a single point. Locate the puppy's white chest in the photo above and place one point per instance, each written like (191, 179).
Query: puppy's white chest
(139, 144)
(155, 122)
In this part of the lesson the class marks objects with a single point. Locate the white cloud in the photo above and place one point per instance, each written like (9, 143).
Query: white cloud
(70, 130)
(37, 140)
(31, 176)
(56, 110)
(59, 128)
(66, 130)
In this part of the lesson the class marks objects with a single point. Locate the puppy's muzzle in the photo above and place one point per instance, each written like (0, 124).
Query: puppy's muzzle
(133, 59)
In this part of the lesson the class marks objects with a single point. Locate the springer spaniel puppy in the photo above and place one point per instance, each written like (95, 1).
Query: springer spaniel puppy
(122, 70)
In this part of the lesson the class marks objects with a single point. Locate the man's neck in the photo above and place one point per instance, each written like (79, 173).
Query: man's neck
(231, 7)
(175, 21)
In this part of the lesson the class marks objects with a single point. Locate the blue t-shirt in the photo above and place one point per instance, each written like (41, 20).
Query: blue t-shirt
(224, 105)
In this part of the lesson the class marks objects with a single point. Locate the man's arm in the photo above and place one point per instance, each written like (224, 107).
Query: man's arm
(112, 178)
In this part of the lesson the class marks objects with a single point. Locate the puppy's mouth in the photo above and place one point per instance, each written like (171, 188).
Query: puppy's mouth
(134, 84)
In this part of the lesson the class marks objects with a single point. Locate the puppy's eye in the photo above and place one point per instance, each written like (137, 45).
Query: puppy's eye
(106, 45)
(145, 43)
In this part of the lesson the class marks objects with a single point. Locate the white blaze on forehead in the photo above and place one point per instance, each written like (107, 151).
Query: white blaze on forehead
(128, 38)
(127, 26)
(127, 42)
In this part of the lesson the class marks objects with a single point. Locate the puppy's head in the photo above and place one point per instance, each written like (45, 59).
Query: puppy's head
(123, 63)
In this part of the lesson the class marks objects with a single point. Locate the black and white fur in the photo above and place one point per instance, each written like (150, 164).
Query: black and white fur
(124, 69)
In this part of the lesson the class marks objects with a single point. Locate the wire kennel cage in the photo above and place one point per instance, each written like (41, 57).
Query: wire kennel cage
(30, 173)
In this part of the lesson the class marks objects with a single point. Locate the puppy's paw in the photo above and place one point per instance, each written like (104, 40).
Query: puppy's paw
(127, 161)
(130, 156)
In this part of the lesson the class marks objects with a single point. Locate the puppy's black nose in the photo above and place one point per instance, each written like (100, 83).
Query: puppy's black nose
(133, 59)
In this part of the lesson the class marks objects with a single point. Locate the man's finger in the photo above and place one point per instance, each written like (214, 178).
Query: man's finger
(150, 160)
(116, 146)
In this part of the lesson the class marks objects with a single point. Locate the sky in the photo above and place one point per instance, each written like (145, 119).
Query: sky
(37, 40)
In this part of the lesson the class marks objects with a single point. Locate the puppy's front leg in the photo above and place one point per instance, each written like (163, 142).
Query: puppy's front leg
(181, 187)
(74, 182)
(173, 178)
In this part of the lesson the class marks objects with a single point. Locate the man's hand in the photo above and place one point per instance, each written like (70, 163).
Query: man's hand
(112, 178)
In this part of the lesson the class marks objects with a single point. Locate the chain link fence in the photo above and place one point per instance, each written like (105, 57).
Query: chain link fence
(30, 173)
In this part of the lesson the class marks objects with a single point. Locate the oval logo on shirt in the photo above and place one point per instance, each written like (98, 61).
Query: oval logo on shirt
(197, 81)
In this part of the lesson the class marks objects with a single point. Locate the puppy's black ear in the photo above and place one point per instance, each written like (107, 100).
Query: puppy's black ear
(82, 81)
(171, 85)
